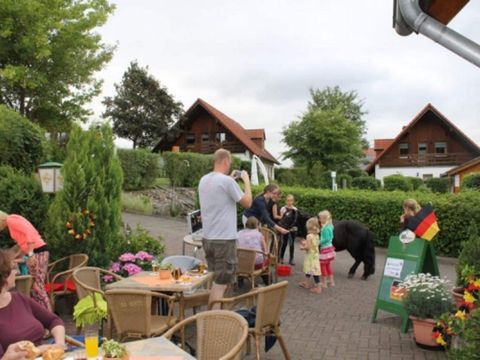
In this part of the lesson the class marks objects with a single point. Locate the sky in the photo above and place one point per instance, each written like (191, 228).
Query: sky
(256, 60)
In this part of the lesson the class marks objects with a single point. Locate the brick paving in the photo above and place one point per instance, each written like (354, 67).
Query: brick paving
(332, 325)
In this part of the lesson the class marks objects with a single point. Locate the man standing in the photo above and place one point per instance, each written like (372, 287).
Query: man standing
(219, 194)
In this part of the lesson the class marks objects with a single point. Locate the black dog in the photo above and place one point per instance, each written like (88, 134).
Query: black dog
(352, 236)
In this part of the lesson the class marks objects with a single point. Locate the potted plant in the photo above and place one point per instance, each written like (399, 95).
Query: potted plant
(114, 350)
(469, 293)
(426, 299)
(165, 271)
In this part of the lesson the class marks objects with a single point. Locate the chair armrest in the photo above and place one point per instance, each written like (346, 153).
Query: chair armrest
(116, 276)
(179, 326)
(234, 300)
(52, 265)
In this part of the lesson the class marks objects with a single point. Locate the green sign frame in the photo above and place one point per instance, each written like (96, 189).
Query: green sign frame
(402, 260)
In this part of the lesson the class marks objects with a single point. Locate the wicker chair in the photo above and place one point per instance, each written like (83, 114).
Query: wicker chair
(60, 283)
(23, 284)
(269, 301)
(271, 239)
(131, 311)
(220, 334)
(246, 264)
(88, 282)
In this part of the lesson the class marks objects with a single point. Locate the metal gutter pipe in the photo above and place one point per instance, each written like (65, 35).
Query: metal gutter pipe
(408, 17)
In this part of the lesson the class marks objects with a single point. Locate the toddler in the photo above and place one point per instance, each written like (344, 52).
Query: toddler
(289, 214)
(311, 265)
(327, 250)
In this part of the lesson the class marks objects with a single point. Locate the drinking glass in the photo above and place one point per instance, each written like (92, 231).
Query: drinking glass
(91, 343)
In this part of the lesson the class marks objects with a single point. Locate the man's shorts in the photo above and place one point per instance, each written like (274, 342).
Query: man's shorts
(221, 256)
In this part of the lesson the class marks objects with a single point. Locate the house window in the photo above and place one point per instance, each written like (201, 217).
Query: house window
(440, 148)
(220, 137)
(403, 149)
(422, 148)
(190, 138)
(205, 137)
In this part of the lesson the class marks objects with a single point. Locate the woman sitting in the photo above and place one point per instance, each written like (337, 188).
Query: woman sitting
(21, 318)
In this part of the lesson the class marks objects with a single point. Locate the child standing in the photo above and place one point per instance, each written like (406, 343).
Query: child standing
(311, 265)
(289, 215)
(410, 208)
(327, 250)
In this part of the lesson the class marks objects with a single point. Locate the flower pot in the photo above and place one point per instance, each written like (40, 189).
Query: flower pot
(422, 331)
(458, 296)
(165, 274)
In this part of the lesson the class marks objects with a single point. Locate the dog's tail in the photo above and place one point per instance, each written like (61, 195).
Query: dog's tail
(369, 254)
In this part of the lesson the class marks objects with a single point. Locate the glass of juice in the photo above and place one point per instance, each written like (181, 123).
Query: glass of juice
(91, 343)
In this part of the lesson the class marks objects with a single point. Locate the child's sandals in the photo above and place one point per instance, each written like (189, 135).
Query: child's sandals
(316, 289)
(304, 285)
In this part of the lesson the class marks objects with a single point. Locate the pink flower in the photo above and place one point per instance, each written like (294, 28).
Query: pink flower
(131, 269)
(143, 255)
(127, 257)
(108, 278)
(115, 267)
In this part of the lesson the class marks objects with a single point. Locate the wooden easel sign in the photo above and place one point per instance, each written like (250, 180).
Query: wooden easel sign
(403, 258)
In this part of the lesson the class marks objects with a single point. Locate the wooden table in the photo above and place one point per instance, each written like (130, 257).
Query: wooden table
(158, 348)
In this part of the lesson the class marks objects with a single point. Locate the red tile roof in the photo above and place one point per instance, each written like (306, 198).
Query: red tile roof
(428, 107)
(236, 129)
(256, 133)
(382, 144)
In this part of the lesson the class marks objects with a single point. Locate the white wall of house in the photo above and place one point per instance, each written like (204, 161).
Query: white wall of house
(420, 172)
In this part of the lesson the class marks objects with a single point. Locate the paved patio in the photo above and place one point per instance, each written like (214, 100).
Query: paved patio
(332, 325)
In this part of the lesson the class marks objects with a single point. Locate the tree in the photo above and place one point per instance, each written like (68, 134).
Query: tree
(85, 215)
(142, 111)
(323, 138)
(329, 133)
(48, 57)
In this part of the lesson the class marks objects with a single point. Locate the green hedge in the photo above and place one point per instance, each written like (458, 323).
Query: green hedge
(381, 210)
(438, 185)
(22, 194)
(366, 183)
(471, 181)
(22, 143)
(140, 168)
(397, 182)
(185, 169)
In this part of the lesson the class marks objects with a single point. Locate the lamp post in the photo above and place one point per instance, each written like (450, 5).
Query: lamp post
(334, 184)
(50, 177)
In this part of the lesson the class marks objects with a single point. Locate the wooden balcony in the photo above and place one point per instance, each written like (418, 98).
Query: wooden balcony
(209, 148)
(425, 160)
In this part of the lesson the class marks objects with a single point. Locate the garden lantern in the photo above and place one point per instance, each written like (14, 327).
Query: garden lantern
(50, 177)
(334, 184)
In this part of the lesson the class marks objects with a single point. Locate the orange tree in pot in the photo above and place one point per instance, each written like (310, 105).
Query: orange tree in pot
(427, 298)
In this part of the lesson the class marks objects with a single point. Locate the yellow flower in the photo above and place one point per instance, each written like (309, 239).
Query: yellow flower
(460, 314)
(441, 341)
(468, 297)
(477, 283)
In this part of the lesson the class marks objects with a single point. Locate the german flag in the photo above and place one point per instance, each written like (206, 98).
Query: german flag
(424, 223)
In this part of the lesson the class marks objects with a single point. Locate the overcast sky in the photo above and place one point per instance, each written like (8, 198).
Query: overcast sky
(256, 60)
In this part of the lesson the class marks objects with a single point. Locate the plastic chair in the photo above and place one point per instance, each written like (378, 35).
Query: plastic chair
(131, 311)
(60, 283)
(246, 264)
(23, 284)
(269, 301)
(220, 334)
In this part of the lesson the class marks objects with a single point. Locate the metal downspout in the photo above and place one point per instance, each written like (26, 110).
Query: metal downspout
(409, 16)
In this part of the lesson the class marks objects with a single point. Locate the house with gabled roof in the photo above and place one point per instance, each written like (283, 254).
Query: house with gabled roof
(458, 173)
(206, 129)
(429, 146)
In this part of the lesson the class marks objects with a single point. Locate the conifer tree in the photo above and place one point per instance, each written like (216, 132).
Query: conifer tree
(85, 216)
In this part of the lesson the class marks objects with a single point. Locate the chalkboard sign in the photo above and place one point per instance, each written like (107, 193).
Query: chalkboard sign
(402, 259)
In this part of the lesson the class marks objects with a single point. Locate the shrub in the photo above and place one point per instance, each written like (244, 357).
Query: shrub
(380, 211)
(22, 194)
(92, 182)
(186, 169)
(355, 173)
(471, 181)
(470, 253)
(415, 181)
(23, 144)
(366, 183)
(438, 185)
(140, 168)
(396, 182)
(139, 239)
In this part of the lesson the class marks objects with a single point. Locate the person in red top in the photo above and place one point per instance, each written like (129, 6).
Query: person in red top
(21, 318)
(31, 244)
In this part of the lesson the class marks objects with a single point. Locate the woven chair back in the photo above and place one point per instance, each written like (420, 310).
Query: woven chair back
(131, 312)
(270, 301)
(89, 276)
(272, 240)
(245, 261)
(23, 284)
(77, 260)
(218, 332)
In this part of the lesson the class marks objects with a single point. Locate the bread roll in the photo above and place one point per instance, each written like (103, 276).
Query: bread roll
(53, 353)
(30, 348)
